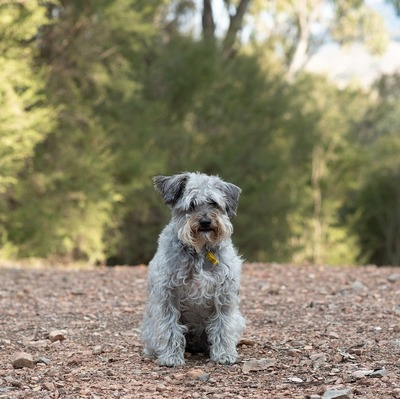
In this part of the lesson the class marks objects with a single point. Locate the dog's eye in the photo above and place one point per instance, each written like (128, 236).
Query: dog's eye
(192, 205)
(213, 204)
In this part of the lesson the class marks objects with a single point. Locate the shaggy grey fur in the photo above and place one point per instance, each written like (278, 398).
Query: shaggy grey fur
(194, 277)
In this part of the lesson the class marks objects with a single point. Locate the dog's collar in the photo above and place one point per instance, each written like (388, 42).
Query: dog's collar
(210, 256)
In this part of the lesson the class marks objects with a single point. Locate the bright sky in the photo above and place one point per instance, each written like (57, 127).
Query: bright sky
(342, 65)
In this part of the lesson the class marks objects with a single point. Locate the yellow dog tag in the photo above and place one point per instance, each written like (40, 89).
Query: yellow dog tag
(212, 258)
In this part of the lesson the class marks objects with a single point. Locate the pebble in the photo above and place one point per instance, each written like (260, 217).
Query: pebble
(358, 286)
(320, 357)
(22, 359)
(338, 394)
(42, 360)
(97, 350)
(379, 373)
(394, 277)
(56, 335)
(195, 373)
(338, 358)
(178, 376)
(396, 392)
(257, 365)
(13, 381)
(43, 343)
(358, 374)
(203, 377)
(333, 334)
(49, 386)
(160, 387)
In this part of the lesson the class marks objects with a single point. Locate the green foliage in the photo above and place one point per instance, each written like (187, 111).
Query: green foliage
(69, 193)
(132, 97)
(25, 117)
(378, 219)
(375, 216)
(356, 22)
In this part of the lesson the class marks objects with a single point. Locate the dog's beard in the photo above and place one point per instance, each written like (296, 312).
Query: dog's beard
(192, 235)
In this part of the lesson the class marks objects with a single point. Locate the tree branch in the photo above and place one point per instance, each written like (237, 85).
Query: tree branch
(234, 26)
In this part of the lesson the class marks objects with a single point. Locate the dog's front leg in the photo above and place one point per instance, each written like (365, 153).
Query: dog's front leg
(170, 339)
(224, 330)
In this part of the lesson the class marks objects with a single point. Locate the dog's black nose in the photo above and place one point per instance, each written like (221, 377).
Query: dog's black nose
(205, 222)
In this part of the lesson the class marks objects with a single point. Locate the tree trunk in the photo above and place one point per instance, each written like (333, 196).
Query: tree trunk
(208, 21)
(235, 25)
(316, 175)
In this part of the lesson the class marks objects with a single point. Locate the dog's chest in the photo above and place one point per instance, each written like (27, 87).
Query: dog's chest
(199, 285)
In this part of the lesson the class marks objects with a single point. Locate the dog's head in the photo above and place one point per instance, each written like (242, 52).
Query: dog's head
(202, 206)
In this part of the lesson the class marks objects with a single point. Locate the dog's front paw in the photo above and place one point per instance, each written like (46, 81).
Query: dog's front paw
(170, 360)
(149, 353)
(224, 358)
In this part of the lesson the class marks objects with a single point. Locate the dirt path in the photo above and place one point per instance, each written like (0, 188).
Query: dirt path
(318, 329)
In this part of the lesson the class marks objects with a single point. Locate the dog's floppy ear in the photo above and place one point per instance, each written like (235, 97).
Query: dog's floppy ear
(232, 194)
(170, 187)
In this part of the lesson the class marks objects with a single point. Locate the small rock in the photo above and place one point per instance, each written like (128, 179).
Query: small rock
(49, 386)
(42, 360)
(178, 376)
(314, 397)
(358, 374)
(257, 365)
(379, 373)
(203, 377)
(43, 343)
(396, 392)
(195, 373)
(59, 384)
(318, 357)
(338, 358)
(395, 343)
(22, 359)
(358, 286)
(97, 350)
(337, 394)
(5, 390)
(12, 381)
(74, 360)
(345, 355)
(160, 387)
(394, 277)
(297, 380)
(56, 335)
(333, 334)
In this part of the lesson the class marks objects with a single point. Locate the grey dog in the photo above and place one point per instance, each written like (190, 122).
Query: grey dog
(194, 277)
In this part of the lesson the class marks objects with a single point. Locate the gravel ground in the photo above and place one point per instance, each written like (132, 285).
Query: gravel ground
(312, 332)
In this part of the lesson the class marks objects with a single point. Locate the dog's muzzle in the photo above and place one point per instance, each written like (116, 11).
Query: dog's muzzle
(205, 224)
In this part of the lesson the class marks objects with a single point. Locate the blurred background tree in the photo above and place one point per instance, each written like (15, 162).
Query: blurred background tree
(99, 96)
(375, 213)
(26, 114)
